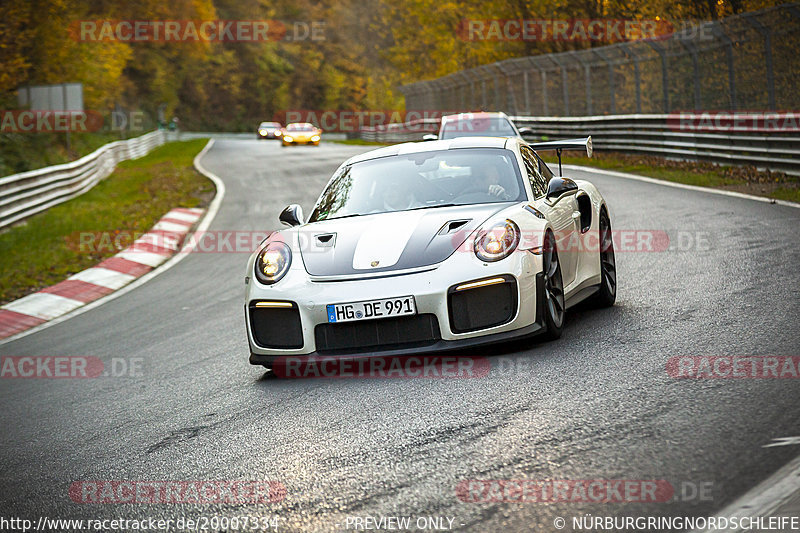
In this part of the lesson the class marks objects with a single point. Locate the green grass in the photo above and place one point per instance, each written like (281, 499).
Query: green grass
(702, 179)
(743, 179)
(45, 248)
(359, 142)
(788, 194)
(20, 152)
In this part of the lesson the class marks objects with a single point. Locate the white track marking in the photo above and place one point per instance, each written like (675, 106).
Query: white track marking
(171, 226)
(170, 241)
(204, 223)
(145, 258)
(196, 210)
(104, 277)
(625, 175)
(765, 498)
(179, 215)
(783, 441)
(43, 305)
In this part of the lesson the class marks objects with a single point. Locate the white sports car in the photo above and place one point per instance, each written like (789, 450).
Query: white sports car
(425, 247)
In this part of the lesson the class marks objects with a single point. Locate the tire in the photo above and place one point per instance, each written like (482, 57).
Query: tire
(554, 309)
(607, 294)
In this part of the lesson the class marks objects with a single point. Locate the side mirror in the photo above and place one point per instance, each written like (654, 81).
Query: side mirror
(525, 131)
(292, 215)
(430, 137)
(559, 187)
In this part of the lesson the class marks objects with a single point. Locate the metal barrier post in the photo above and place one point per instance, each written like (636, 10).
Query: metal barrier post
(605, 58)
(588, 80)
(564, 85)
(628, 49)
(766, 33)
(698, 101)
(664, 71)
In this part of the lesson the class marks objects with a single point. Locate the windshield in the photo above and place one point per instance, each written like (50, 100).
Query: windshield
(269, 125)
(300, 127)
(477, 127)
(422, 180)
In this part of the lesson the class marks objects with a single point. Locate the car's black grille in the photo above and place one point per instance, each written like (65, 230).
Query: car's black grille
(482, 307)
(377, 335)
(276, 327)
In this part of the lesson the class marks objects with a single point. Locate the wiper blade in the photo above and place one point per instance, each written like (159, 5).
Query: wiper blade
(343, 216)
(434, 206)
(382, 212)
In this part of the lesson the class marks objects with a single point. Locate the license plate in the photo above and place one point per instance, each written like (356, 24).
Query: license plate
(372, 309)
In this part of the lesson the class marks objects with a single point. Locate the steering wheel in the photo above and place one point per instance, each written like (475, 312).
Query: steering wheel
(474, 197)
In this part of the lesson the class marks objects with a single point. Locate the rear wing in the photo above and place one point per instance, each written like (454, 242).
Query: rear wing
(568, 144)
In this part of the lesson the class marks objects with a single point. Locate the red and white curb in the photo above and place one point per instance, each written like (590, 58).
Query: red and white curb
(143, 255)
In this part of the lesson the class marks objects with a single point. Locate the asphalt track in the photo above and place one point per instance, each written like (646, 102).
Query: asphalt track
(596, 404)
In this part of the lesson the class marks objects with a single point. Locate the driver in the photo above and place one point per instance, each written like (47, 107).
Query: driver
(488, 178)
(398, 197)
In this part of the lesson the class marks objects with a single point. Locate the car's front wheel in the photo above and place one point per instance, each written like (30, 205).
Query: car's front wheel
(554, 308)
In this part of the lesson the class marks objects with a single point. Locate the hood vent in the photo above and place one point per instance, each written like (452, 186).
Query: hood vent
(325, 240)
(453, 226)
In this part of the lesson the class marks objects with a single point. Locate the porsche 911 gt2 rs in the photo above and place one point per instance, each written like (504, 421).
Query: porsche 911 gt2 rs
(432, 246)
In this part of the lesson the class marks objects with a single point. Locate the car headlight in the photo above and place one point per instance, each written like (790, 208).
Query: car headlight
(262, 132)
(287, 139)
(497, 242)
(315, 138)
(273, 262)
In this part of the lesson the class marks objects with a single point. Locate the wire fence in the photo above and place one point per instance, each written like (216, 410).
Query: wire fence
(747, 62)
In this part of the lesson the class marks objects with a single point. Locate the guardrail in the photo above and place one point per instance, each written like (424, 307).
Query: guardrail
(764, 140)
(400, 132)
(28, 193)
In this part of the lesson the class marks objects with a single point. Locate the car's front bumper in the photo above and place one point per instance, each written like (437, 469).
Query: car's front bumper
(430, 289)
(439, 346)
(300, 141)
